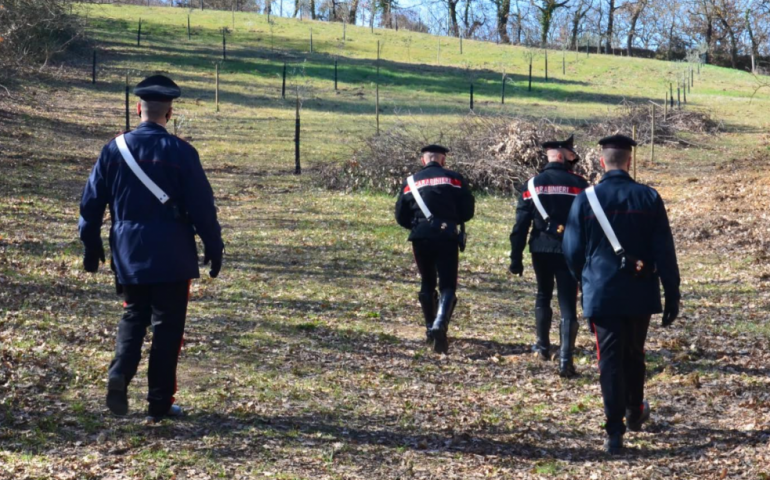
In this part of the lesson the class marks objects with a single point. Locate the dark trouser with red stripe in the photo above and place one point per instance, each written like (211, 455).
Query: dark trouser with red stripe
(164, 306)
(437, 256)
(620, 343)
(550, 269)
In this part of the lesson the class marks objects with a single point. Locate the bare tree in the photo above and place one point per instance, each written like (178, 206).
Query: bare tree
(353, 12)
(612, 8)
(580, 10)
(547, 9)
(636, 11)
(471, 24)
(730, 20)
(503, 11)
(454, 27)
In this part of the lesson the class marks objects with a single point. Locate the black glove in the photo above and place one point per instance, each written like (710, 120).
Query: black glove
(92, 257)
(670, 311)
(216, 263)
(516, 268)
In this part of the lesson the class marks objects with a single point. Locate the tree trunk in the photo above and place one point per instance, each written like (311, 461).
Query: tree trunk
(353, 12)
(453, 26)
(575, 29)
(670, 40)
(374, 14)
(312, 9)
(632, 27)
(708, 36)
(610, 24)
(733, 48)
(754, 43)
(503, 11)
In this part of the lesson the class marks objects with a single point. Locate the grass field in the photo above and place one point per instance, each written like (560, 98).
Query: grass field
(304, 359)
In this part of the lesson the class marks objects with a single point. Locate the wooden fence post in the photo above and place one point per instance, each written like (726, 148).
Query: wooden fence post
(678, 98)
(139, 34)
(224, 45)
(297, 165)
(283, 83)
(671, 94)
(546, 66)
(633, 136)
(471, 97)
(684, 93)
(216, 92)
(128, 117)
(377, 93)
(335, 75)
(652, 137)
(502, 96)
(93, 69)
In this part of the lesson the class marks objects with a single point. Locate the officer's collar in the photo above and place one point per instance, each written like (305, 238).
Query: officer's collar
(622, 174)
(555, 165)
(432, 164)
(152, 126)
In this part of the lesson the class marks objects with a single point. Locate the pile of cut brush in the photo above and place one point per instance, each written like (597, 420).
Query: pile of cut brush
(668, 126)
(494, 154)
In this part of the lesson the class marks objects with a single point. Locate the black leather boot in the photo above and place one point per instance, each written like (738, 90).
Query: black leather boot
(429, 304)
(614, 443)
(543, 318)
(635, 418)
(117, 394)
(438, 331)
(568, 332)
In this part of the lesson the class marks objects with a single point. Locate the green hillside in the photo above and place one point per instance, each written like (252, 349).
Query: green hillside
(420, 81)
(306, 359)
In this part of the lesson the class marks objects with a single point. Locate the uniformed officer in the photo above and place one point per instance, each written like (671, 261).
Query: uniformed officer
(618, 242)
(437, 232)
(152, 243)
(544, 204)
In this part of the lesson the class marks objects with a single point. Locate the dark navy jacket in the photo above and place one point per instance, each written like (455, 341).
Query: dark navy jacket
(638, 217)
(557, 188)
(447, 195)
(148, 244)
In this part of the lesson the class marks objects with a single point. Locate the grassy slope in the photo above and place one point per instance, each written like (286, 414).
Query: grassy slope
(304, 360)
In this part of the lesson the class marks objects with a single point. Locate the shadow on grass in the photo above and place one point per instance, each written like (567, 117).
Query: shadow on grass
(450, 81)
(555, 442)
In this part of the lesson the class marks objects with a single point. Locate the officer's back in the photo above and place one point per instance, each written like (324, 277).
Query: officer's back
(152, 242)
(557, 188)
(638, 217)
(446, 195)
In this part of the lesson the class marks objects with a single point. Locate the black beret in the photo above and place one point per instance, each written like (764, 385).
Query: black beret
(568, 144)
(618, 142)
(435, 149)
(157, 88)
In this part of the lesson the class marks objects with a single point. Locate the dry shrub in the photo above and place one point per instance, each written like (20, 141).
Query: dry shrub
(495, 155)
(33, 31)
(667, 130)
